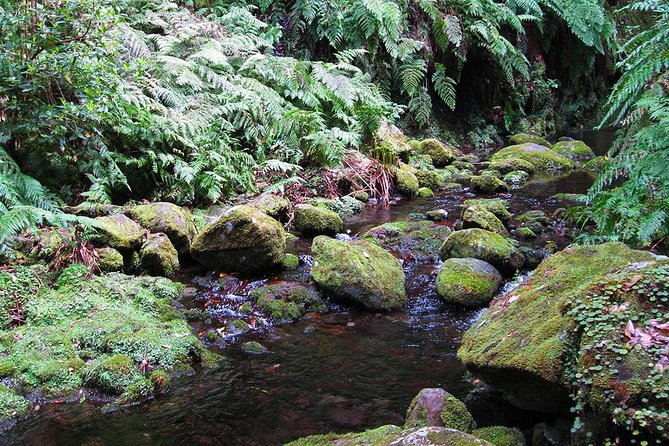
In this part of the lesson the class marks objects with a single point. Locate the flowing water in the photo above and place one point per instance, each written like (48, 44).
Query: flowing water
(347, 370)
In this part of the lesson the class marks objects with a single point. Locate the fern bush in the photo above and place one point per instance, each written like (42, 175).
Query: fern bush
(630, 199)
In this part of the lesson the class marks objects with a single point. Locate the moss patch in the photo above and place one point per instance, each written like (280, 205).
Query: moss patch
(500, 435)
(410, 240)
(314, 220)
(172, 220)
(484, 245)
(541, 157)
(468, 282)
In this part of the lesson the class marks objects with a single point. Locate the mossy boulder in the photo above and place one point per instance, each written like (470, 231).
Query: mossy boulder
(441, 154)
(119, 232)
(290, 261)
(504, 166)
(521, 343)
(596, 164)
(497, 206)
(516, 178)
(158, 256)
(478, 217)
(410, 240)
(392, 137)
(452, 186)
(463, 165)
(315, 220)
(437, 215)
(484, 245)
(425, 192)
(522, 138)
(254, 348)
(110, 260)
(345, 206)
(542, 158)
(436, 407)
(468, 282)
(360, 271)
(500, 435)
(406, 181)
(243, 239)
(172, 220)
(525, 233)
(273, 205)
(93, 209)
(489, 184)
(430, 178)
(118, 374)
(574, 150)
(287, 301)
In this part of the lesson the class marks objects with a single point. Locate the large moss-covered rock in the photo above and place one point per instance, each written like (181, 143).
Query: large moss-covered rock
(276, 207)
(541, 157)
(596, 164)
(316, 220)
(243, 239)
(118, 231)
(500, 435)
(522, 138)
(425, 192)
(393, 138)
(345, 206)
(441, 154)
(497, 206)
(516, 178)
(488, 183)
(574, 150)
(430, 178)
(287, 301)
(468, 282)
(522, 341)
(410, 240)
(484, 245)
(172, 220)
(406, 181)
(504, 166)
(158, 256)
(436, 407)
(358, 270)
(478, 217)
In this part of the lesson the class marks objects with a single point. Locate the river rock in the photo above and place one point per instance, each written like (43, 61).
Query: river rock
(596, 164)
(574, 150)
(436, 407)
(488, 183)
(345, 206)
(315, 220)
(431, 179)
(542, 158)
(118, 231)
(516, 178)
(469, 282)
(501, 435)
(172, 220)
(273, 205)
(521, 343)
(484, 245)
(441, 154)
(110, 260)
(522, 138)
(243, 239)
(358, 270)
(410, 240)
(406, 181)
(478, 217)
(425, 192)
(158, 256)
(504, 166)
(497, 206)
(287, 301)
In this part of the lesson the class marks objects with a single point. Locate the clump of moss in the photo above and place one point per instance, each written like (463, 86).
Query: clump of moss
(455, 415)
(414, 241)
(406, 181)
(500, 435)
(290, 261)
(314, 220)
(468, 282)
(431, 179)
(254, 348)
(542, 158)
(12, 405)
(425, 192)
(287, 300)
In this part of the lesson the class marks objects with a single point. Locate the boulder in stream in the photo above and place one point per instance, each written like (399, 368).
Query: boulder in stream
(542, 158)
(574, 150)
(172, 220)
(468, 282)
(410, 240)
(478, 217)
(441, 154)
(484, 245)
(436, 407)
(316, 220)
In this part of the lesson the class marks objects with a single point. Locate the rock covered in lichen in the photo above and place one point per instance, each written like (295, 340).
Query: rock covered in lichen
(520, 344)
(574, 150)
(478, 217)
(315, 220)
(358, 270)
(522, 138)
(484, 245)
(243, 239)
(172, 220)
(488, 183)
(158, 256)
(406, 181)
(287, 301)
(118, 231)
(410, 240)
(273, 205)
(110, 260)
(542, 158)
(467, 281)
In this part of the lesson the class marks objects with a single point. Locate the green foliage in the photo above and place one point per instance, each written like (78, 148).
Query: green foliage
(630, 199)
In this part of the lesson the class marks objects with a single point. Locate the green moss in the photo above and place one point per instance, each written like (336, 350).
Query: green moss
(574, 150)
(525, 330)
(504, 166)
(12, 405)
(110, 260)
(425, 192)
(254, 348)
(272, 205)
(441, 154)
(522, 138)
(429, 178)
(484, 245)
(158, 256)
(542, 158)
(287, 300)
(452, 186)
(17, 285)
(489, 184)
(359, 270)
(596, 164)
(456, 416)
(463, 165)
(118, 231)
(478, 217)
(525, 233)
(415, 240)
(468, 282)
(174, 221)
(345, 206)
(406, 181)
(500, 435)
(380, 436)
(313, 220)
(290, 261)
(516, 178)
(242, 239)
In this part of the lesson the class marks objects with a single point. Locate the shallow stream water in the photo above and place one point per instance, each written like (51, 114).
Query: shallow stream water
(347, 370)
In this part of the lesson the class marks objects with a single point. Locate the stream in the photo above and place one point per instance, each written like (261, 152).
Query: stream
(347, 370)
